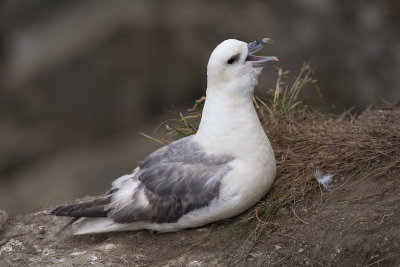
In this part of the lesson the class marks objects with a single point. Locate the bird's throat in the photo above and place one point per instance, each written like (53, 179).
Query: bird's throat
(227, 120)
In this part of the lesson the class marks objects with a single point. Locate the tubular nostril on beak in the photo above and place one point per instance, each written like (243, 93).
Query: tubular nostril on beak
(257, 45)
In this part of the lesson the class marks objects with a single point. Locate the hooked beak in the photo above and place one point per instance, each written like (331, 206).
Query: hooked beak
(253, 47)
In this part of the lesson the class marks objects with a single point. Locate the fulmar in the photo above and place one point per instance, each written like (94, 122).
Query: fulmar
(217, 173)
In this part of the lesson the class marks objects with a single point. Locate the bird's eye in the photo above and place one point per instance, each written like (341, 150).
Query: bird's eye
(233, 59)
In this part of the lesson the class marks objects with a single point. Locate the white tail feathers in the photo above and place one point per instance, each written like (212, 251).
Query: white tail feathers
(97, 225)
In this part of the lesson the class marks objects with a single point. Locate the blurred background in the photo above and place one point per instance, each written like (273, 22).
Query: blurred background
(80, 79)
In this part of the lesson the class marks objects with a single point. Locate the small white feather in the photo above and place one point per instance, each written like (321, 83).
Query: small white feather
(324, 179)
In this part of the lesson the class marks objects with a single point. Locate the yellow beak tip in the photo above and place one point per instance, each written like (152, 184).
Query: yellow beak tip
(268, 41)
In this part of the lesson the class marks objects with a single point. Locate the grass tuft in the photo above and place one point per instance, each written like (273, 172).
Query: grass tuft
(284, 100)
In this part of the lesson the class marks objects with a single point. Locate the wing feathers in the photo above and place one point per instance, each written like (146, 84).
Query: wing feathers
(168, 184)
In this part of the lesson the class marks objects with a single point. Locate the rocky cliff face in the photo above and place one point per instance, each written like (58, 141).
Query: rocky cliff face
(76, 73)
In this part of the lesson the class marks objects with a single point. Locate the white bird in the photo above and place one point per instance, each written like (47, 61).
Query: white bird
(221, 171)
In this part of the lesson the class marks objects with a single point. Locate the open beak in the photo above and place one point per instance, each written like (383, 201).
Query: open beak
(253, 47)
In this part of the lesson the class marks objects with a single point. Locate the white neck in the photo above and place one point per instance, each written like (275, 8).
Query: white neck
(228, 120)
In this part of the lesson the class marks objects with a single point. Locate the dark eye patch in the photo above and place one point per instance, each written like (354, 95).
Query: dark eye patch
(233, 59)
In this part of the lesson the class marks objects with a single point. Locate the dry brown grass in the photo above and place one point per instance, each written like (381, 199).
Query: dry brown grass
(344, 146)
(305, 140)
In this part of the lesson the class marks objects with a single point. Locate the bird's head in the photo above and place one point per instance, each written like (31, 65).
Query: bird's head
(232, 65)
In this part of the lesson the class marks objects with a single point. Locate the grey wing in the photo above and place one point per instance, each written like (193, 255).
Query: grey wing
(171, 182)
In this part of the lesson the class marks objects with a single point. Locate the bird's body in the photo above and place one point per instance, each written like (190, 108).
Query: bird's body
(219, 172)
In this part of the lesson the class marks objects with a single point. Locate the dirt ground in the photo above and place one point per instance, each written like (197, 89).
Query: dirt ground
(355, 224)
